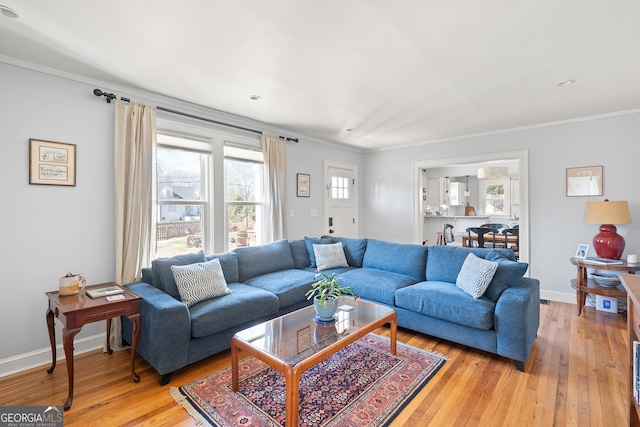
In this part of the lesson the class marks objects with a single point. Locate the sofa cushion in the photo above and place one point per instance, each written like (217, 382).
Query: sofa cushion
(299, 253)
(445, 301)
(475, 275)
(375, 285)
(163, 276)
(229, 264)
(353, 249)
(444, 262)
(147, 275)
(215, 315)
(508, 274)
(330, 256)
(288, 285)
(200, 281)
(400, 258)
(256, 260)
(309, 242)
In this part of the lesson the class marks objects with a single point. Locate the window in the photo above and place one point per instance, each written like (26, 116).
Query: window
(245, 197)
(210, 191)
(340, 188)
(495, 196)
(182, 177)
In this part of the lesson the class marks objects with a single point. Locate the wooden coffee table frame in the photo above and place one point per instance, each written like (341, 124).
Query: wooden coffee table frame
(292, 374)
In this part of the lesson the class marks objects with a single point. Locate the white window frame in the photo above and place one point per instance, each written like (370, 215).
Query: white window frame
(188, 143)
(262, 202)
(214, 139)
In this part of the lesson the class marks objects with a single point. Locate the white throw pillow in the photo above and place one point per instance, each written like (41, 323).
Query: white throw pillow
(200, 281)
(475, 275)
(330, 256)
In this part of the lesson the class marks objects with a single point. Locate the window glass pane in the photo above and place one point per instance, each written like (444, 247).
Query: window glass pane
(244, 181)
(181, 184)
(494, 206)
(245, 196)
(179, 174)
(340, 187)
(179, 229)
(245, 225)
(495, 191)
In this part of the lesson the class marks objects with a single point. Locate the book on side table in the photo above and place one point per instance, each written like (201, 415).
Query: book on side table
(602, 261)
(104, 292)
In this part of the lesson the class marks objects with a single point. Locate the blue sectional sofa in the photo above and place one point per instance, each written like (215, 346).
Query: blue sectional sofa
(419, 282)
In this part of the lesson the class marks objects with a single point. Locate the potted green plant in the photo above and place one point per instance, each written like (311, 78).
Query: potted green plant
(325, 292)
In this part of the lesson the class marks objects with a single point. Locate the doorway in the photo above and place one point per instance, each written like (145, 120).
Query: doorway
(341, 199)
(521, 156)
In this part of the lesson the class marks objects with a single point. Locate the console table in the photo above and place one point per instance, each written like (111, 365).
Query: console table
(584, 285)
(74, 311)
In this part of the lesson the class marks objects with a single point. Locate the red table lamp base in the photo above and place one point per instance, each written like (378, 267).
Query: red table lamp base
(608, 243)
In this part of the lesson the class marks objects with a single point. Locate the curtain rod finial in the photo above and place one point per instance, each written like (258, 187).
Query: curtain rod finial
(109, 96)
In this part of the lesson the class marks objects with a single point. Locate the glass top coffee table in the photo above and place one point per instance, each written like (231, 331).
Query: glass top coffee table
(295, 342)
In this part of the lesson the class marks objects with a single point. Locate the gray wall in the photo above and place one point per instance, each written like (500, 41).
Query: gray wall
(49, 230)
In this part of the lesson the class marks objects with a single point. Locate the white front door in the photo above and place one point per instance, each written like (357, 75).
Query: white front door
(341, 206)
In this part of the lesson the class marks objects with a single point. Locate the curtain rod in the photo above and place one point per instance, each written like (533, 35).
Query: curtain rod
(110, 96)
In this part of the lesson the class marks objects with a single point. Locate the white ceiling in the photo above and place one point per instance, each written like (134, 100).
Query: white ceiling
(397, 72)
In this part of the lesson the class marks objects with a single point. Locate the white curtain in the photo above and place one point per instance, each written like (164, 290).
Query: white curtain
(135, 145)
(275, 161)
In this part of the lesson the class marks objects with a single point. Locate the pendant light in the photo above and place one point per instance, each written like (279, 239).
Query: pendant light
(467, 193)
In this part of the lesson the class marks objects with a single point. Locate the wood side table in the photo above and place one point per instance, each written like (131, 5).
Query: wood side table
(74, 311)
(583, 285)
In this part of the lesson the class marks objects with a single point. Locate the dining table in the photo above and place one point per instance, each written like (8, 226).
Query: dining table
(488, 238)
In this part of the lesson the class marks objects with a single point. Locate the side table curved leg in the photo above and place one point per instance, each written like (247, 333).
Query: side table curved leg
(68, 352)
(52, 339)
(135, 319)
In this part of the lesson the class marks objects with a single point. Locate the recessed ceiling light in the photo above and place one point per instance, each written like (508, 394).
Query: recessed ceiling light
(565, 83)
(255, 97)
(349, 130)
(7, 12)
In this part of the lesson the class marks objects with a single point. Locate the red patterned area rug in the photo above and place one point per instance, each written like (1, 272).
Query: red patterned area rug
(361, 385)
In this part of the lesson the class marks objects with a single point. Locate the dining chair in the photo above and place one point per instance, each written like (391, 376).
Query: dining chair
(514, 232)
(447, 233)
(481, 232)
(498, 227)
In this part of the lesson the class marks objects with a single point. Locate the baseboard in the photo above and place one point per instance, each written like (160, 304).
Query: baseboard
(569, 298)
(42, 357)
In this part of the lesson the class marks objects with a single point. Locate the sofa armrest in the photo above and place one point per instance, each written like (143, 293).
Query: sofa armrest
(165, 329)
(517, 318)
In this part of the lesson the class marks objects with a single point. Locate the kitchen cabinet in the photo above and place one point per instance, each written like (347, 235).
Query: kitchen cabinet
(456, 193)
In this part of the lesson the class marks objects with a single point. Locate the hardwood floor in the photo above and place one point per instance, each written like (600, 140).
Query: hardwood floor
(575, 376)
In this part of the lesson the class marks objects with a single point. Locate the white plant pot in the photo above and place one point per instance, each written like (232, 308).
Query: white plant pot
(327, 310)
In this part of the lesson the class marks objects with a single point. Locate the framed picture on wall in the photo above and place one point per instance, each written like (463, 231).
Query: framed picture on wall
(584, 181)
(303, 185)
(52, 163)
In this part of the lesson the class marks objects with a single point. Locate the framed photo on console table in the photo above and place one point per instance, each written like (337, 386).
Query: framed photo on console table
(52, 163)
(582, 251)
